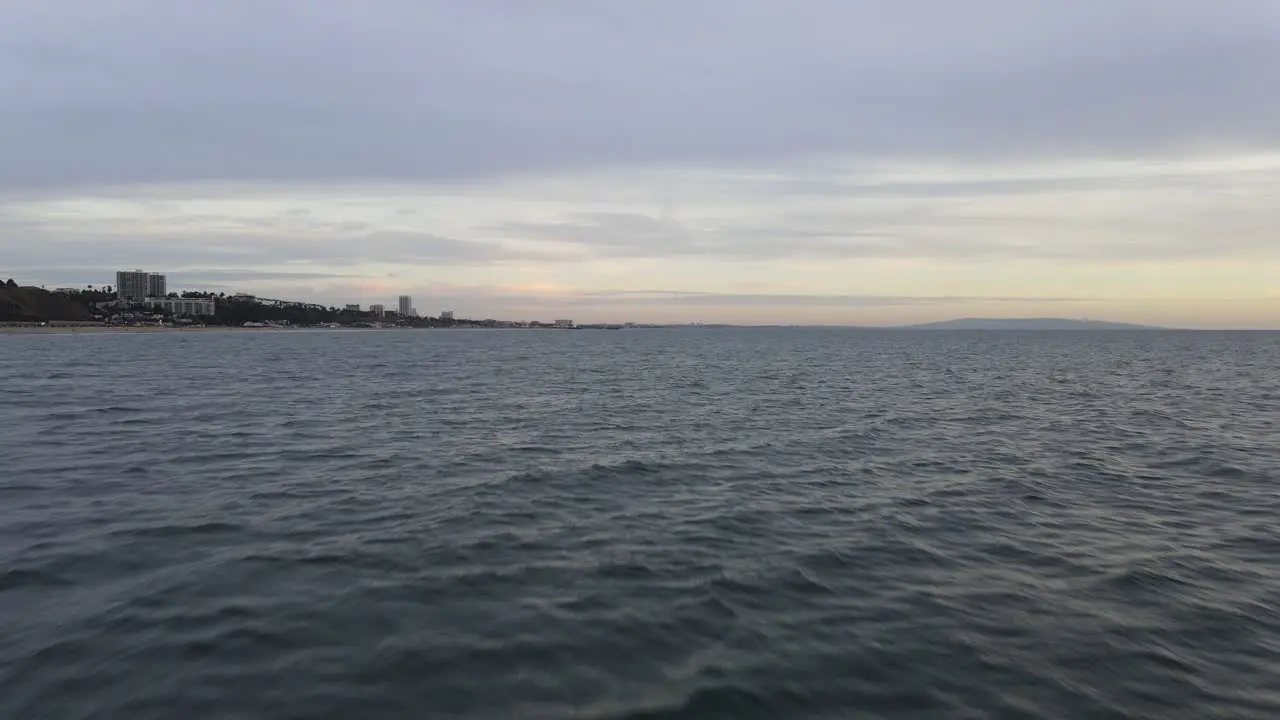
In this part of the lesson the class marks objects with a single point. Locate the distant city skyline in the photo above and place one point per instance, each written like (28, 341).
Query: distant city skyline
(812, 163)
(138, 284)
(199, 305)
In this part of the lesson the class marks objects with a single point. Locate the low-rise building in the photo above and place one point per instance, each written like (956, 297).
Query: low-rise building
(378, 310)
(564, 323)
(446, 314)
(353, 308)
(183, 306)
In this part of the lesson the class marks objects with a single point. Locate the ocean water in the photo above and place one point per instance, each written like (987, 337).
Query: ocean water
(640, 524)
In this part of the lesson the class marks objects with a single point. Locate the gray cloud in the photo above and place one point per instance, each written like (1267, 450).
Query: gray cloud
(137, 91)
(201, 277)
(694, 298)
(614, 302)
(45, 252)
(189, 279)
(1196, 223)
(920, 231)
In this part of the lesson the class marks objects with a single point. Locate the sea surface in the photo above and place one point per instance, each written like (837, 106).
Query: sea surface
(643, 524)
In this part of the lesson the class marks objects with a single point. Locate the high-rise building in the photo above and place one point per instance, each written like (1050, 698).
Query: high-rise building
(132, 285)
(377, 310)
(446, 314)
(137, 285)
(406, 305)
(156, 285)
(353, 308)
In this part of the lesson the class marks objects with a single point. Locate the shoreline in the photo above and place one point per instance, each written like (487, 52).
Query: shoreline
(82, 330)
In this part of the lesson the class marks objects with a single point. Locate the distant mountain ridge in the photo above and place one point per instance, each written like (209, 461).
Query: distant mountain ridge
(1027, 324)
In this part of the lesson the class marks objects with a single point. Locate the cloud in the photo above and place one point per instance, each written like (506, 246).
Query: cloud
(94, 275)
(200, 248)
(150, 91)
(214, 276)
(1180, 210)
(817, 157)
(697, 298)
(616, 300)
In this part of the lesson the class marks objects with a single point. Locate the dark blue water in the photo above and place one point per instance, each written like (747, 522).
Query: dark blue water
(647, 524)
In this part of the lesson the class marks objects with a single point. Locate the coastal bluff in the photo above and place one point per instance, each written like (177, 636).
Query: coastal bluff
(33, 304)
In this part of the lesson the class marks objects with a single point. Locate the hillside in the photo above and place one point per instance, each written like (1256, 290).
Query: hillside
(31, 304)
(1027, 324)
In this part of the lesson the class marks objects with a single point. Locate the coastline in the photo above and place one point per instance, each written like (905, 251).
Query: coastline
(119, 329)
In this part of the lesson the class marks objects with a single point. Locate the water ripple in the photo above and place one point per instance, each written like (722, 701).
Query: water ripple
(643, 525)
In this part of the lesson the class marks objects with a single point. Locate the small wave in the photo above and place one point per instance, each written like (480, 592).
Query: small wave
(537, 450)
(1145, 578)
(178, 530)
(717, 701)
(592, 473)
(22, 578)
(135, 422)
(235, 642)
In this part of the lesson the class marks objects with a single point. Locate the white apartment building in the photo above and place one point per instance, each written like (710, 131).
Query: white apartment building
(183, 307)
(406, 305)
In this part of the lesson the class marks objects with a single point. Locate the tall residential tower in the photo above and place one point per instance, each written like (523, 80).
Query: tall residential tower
(137, 285)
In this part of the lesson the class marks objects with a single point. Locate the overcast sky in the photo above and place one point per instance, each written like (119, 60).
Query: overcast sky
(812, 161)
